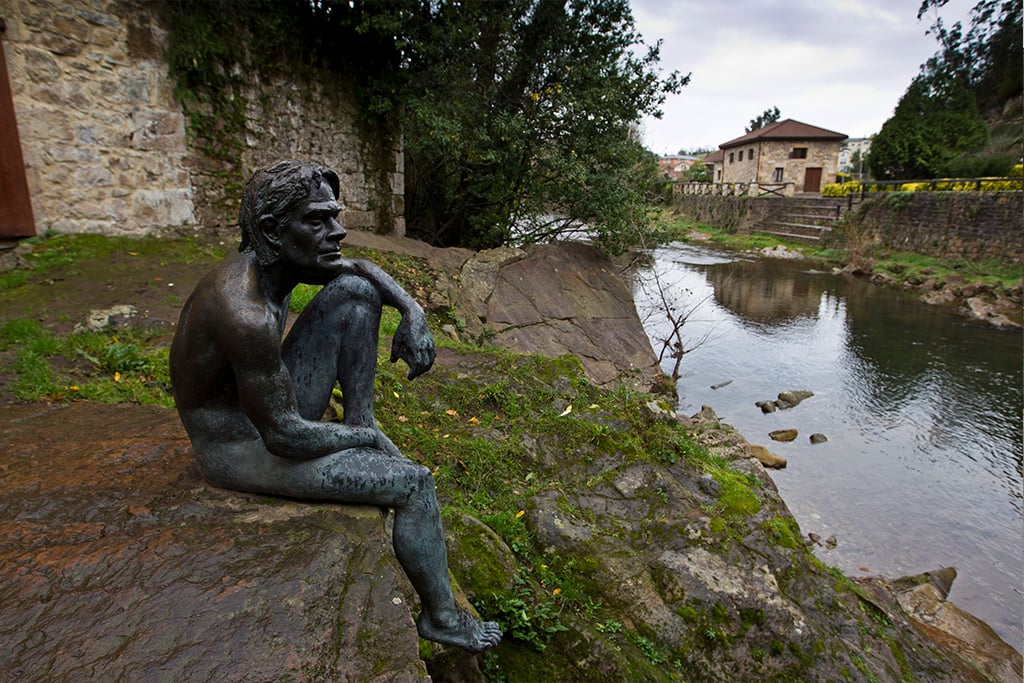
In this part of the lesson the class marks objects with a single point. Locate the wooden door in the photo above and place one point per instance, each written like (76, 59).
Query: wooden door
(15, 205)
(812, 180)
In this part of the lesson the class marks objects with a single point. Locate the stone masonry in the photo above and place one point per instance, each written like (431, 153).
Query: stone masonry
(758, 160)
(106, 145)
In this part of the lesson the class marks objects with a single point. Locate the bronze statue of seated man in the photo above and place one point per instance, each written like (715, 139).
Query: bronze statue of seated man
(252, 404)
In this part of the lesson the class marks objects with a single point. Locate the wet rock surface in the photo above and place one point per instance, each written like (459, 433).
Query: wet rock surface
(117, 562)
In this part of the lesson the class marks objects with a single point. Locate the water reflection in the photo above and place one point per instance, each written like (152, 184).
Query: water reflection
(923, 411)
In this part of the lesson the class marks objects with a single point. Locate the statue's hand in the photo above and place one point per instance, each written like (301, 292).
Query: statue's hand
(414, 344)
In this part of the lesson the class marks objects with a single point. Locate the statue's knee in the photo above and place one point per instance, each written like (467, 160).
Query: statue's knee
(423, 480)
(352, 289)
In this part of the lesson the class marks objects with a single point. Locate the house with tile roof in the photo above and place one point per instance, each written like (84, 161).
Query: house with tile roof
(788, 152)
(713, 162)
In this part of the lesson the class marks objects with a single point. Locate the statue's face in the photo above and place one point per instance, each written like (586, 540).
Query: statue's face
(311, 236)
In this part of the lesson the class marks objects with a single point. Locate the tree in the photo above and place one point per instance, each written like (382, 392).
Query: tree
(767, 117)
(988, 54)
(518, 118)
(935, 122)
(521, 122)
(937, 128)
(697, 173)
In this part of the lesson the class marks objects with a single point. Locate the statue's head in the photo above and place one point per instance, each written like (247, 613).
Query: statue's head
(275, 192)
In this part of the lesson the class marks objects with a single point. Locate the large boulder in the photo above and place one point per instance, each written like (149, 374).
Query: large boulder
(557, 299)
(117, 562)
(550, 299)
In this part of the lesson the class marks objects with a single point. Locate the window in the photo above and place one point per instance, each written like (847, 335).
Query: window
(798, 153)
(731, 155)
(777, 177)
(750, 154)
(741, 155)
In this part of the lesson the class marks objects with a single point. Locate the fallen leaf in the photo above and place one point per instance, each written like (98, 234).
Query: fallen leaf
(567, 410)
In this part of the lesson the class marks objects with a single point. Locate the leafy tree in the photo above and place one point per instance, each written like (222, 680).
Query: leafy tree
(518, 118)
(521, 122)
(987, 54)
(767, 117)
(697, 173)
(937, 128)
(935, 122)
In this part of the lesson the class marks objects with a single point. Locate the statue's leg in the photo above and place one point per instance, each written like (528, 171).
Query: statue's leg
(368, 475)
(335, 340)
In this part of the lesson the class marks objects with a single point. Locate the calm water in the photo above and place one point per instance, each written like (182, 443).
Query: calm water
(922, 410)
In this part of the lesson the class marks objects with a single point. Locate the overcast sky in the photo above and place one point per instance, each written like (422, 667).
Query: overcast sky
(836, 64)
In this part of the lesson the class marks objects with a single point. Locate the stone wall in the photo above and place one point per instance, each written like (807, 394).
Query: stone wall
(106, 144)
(975, 225)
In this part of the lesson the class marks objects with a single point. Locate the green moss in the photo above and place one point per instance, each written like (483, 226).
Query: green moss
(783, 531)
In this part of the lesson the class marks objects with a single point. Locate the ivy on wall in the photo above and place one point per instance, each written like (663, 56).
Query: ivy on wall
(216, 47)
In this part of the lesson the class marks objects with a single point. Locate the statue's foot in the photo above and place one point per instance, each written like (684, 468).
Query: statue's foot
(461, 630)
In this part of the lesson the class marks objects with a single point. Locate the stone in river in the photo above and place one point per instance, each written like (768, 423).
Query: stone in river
(783, 434)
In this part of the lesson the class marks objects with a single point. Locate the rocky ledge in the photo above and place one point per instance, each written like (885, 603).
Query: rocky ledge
(117, 562)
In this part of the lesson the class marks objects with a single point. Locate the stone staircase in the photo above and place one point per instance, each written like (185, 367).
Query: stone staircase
(805, 219)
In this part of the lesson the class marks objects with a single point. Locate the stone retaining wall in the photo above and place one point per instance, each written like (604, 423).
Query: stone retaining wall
(107, 147)
(975, 225)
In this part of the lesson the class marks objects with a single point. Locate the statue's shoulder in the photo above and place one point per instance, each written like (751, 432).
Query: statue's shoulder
(228, 297)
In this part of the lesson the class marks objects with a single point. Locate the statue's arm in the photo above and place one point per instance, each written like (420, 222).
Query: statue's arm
(413, 341)
(267, 397)
(391, 293)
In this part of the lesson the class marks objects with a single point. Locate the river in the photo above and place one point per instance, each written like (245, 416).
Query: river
(922, 410)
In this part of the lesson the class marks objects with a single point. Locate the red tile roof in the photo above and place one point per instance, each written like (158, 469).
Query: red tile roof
(785, 130)
(714, 157)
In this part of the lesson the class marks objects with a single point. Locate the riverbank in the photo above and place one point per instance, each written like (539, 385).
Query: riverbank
(990, 291)
(921, 409)
(595, 525)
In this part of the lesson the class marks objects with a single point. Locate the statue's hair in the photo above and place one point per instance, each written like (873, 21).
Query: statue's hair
(276, 191)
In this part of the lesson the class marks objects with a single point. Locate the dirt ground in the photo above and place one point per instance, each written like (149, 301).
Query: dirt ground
(61, 299)
(155, 284)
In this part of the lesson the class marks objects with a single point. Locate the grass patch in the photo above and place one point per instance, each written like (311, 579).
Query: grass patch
(50, 254)
(109, 367)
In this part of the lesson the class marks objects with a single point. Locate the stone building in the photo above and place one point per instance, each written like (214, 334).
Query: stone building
(713, 163)
(787, 152)
(106, 147)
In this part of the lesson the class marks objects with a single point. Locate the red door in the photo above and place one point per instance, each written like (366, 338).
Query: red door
(812, 180)
(15, 206)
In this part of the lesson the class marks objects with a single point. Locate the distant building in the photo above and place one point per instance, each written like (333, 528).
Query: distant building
(675, 166)
(784, 152)
(849, 159)
(714, 163)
